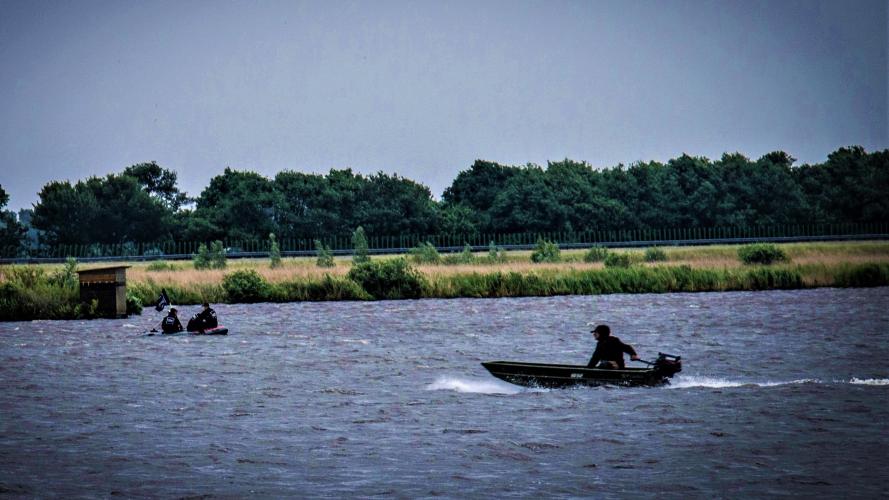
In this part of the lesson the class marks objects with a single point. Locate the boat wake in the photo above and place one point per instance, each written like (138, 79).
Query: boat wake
(475, 386)
(458, 384)
(870, 381)
(686, 382)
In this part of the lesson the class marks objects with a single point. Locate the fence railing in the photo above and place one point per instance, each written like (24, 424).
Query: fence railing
(342, 244)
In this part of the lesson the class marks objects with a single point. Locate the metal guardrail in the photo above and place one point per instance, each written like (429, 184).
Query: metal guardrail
(475, 248)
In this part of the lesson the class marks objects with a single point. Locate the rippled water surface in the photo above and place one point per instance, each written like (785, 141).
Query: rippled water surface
(782, 393)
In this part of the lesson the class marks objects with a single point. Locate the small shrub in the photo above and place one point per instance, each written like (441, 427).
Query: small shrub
(761, 253)
(655, 254)
(325, 256)
(425, 253)
(546, 251)
(160, 265)
(595, 254)
(617, 260)
(210, 258)
(245, 286)
(217, 255)
(361, 254)
(134, 303)
(274, 252)
(495, 254)
(67, 276)
(202, 258)
(389, 279)
(464, 257)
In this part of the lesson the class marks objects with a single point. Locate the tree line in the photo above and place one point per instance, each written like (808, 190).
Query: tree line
(144, 204)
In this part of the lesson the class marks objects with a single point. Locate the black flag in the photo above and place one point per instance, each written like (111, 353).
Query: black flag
(162, 301)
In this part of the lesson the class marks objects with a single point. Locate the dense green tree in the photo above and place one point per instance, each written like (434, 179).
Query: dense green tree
(457, 219)
(144, 204)
(850, 187)
(126, 212)
(64, 213)
(394, 205)
(694, 189)
(478, 187)
(110, 209)
(240, 204)
(158, 182)
(528, 203)
(575, 188)
(642, 198)
(759, 193)
(12, 233)
(311, 205)
(193, 226)
(616, 193)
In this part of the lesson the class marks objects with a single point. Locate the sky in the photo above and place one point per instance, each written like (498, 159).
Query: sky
(422, 89)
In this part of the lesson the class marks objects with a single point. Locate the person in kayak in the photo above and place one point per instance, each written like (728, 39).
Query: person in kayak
(204, 320)
(610, 350)
(171, 323)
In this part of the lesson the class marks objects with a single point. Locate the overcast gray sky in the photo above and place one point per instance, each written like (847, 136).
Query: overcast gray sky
(422, 89)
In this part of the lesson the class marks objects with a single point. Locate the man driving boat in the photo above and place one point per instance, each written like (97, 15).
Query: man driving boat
(610, 350)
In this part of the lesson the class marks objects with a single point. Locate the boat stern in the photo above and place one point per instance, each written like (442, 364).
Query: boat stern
(667, 364)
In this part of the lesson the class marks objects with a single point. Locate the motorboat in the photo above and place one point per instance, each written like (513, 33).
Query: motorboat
(657, 372)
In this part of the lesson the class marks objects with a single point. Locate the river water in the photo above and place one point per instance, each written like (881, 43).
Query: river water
(782, 393)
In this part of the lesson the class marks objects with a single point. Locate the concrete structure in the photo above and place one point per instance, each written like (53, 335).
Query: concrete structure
(108, 286)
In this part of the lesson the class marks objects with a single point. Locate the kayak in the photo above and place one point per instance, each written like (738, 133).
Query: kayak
(560, 376)
(219, 330)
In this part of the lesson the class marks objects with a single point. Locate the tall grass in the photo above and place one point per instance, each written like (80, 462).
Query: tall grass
(51, 292)
(29, 292)
(639, 279)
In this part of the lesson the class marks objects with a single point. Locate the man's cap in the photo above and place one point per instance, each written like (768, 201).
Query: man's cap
(601, 330)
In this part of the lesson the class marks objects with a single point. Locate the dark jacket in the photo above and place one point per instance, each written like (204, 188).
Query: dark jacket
(171, 324)
(208, 318)
(610, 349)
(204, 320)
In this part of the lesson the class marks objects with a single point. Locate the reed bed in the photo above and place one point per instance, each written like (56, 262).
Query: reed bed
(291, 270)
(687, 269)
(30, 292)
(715, 256)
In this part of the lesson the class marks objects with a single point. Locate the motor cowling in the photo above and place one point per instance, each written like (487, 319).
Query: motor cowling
(668, 364)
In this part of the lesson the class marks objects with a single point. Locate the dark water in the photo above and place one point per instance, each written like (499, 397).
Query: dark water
(783, 393)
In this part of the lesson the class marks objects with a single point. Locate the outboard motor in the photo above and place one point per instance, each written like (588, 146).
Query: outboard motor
(667, 364)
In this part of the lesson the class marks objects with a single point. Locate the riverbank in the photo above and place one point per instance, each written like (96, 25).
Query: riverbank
(40, 292)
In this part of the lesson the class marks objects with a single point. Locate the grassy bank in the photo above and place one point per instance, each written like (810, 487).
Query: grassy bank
(29, 292)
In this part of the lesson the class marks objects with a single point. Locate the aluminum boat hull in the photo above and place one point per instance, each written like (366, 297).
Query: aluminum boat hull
(560, 376)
